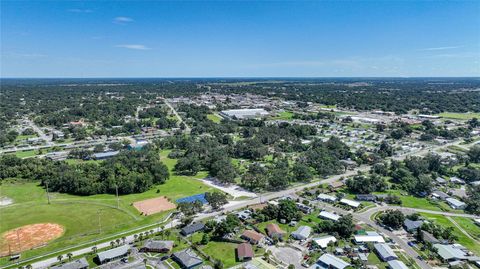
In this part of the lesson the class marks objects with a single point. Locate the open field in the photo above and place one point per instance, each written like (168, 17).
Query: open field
(462, 238)
(86, 218)
(223, 251)
(28, 237)
(284, 115)
(459, 116)
(214, 117)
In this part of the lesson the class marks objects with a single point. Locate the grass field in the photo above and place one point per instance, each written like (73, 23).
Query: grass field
(79, 214)
(416, 202)
(27, 153)
(223, 251)
(469, 226)
(462, 238)
(459, 116)
(214, 117)
(284, 115)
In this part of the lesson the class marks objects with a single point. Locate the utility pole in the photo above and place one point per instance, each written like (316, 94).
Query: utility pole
(48, 195)
(118, 199)
(99, 223)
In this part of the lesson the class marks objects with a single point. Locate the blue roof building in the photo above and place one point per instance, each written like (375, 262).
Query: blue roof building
(190, 199)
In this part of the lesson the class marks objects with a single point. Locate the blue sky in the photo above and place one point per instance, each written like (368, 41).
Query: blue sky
(239, 38)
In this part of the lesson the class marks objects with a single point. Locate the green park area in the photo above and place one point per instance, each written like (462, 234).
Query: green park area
(87, 218)
(214, 117)
(284, 115)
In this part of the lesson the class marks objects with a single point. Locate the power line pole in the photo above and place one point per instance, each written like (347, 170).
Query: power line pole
(48, 195)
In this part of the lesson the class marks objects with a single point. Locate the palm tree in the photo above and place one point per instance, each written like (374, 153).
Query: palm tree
(167, 233)
(94, 249)
(124, 239)
(59, 258)
(145, 262)
(151, 232)
(69, 255)
(29, 266)
(112, 244)
(118, 241)
(135, 236)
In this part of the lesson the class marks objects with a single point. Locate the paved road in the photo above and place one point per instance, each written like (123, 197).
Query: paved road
(270, 196)
(180, 120)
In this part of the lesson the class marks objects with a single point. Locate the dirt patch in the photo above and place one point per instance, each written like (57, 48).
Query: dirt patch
(29, 237)
(154, 205)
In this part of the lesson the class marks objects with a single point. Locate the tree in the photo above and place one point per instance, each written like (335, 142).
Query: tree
(69, 255)
(393, 218)
(474, 154)
(255, 177)
(205, 239)
(94, 249)
(301, 172)
(216, 199)
(287, 210)
(385, 150)
(223, 170)
(59, 258)
(218, 264)
(344, 226)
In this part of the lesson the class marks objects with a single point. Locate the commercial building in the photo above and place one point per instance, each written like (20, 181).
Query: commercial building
(244, 113)
(113, 254)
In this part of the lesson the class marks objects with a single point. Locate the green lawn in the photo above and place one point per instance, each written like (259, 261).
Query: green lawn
(417, 202)
(24, 137)
(468, 225)
(374, 260)
(214, 117)
(459, 116)
(462, 238)
(79, 214)
(223, 251)
(27, 153)
(284, 115)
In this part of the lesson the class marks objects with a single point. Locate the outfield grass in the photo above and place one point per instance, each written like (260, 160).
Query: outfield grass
(214, 117)
(459, 116)
(462, 238)
(79, 214)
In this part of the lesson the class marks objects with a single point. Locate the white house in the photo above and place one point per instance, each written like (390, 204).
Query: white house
(324, 240)
(351, 203)
(455, 204)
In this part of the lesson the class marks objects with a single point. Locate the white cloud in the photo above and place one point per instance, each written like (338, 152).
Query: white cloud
(442, 48)
(79, 10)
(122, 20)
(133, 46)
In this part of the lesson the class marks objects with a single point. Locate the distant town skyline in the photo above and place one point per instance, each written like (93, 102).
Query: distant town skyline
(240, 39)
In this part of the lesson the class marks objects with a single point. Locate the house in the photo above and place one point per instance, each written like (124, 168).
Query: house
(411, 226)
(158, 246)
(395, 264)
(77, 264)
(336, 185)
(441, 180)
(363, 257)
(455, 204)
(328, 261)
(324, 240)
(304, 208)
(192, 228)
(245, 252)
(457, 180)
(450, 253)
(113, 254)
(350, 203)
(187, 258)
(328, 216)
(366, 197)
(369, 237)
(326, 198)
(252, 236)
(274, 231)
(385, 253)
(428, 237)
(440, 195)
(302, 233)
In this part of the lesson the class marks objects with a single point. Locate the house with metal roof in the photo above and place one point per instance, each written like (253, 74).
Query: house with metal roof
(113, 254)
(450, 253)
(323, 241)
(412, 225)
(328, 216)
(187, 258)
(385, 253)
(302, 233)
(192, 228)
(455, 204)
(77, 264)
(328, 261)
(105, 155)
(440, 195)
(350, 203)
(440, 180)
(366, 197)
(158, 246)
(396, 264)
(326, 198)
(369, 237)
(457, 180)
(428, 237)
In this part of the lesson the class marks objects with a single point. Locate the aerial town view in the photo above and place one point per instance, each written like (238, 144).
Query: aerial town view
(143, 134)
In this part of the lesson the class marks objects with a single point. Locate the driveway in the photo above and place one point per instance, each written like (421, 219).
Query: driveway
(287, 255)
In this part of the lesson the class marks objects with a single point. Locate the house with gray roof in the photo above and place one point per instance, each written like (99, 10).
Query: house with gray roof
(450, 253)
(302, 233)
(455, 204)
(192, 228)
(187, 258)
(412, 225)
(328, 261)
(385, 253)
(77, 264)
(157, 246)
(440, 180)
(440, 195)
(113, 254)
